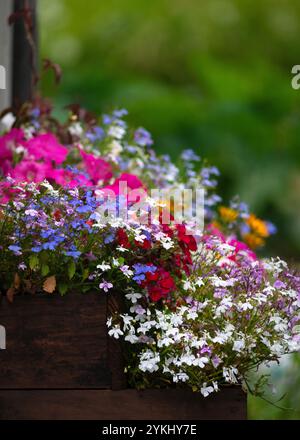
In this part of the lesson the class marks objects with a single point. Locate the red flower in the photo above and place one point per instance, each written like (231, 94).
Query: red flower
(146, 244)
(159, 284)
(187, 239)
(57, 214)
(122, 238)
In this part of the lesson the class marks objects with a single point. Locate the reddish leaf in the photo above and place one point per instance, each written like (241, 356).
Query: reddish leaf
(49, 284)
(48, 64)
(17, 282)
(10, 294)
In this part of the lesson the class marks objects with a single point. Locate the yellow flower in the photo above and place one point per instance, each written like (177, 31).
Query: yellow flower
(229, 215)
(258, 226)
(253, 241)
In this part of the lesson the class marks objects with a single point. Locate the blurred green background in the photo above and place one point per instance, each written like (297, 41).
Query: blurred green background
(210, 75)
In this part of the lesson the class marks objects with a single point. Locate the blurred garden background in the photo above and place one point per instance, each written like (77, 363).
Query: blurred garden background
(212, 75)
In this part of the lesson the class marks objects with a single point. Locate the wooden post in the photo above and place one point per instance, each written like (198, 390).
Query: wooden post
(24, 54)
(5, 54)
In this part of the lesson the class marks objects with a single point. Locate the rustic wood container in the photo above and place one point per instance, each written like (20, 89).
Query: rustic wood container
(59, 363)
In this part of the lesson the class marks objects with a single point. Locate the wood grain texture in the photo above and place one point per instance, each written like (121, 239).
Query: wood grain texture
(115, 354)
(55, 342)
(228, 404)
(24, 59)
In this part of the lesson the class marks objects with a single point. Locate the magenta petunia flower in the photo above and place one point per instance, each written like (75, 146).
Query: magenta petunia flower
(132, 182)
(46, 147)
(8, 143)
(31, 171)
(97, 168)
(67, 178)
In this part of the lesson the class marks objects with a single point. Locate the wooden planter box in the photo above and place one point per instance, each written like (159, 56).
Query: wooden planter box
(59, 363)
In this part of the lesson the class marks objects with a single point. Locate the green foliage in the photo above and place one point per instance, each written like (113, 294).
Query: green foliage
(284, 403)
(213, 75)
(71, 269)
(33, 262)
(45, 270)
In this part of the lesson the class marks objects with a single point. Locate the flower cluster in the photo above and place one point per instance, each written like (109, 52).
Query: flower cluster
(44, 230)
(200, 307)
(228, 319)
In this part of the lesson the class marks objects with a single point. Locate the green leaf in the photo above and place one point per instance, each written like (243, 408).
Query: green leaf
(45, 269)
(33, 261)
(62, 288)
(296, 329)
(85, 273)
(121, 260)
(71, 269)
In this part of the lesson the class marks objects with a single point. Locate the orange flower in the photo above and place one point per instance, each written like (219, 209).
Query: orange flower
(258, 226)
(253, 240)
(229, 215)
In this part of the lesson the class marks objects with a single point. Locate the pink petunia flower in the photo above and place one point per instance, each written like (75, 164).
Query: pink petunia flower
(132, 182)
(31, 171)
(46, 147)
(67, 179)
(8, 143)
(97, 168)
(6, 191)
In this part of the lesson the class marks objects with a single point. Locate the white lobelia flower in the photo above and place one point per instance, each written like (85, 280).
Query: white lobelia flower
(131, 338)
(245, 306)
(133, 297)
(192, 314)
(165, 240)
(122, 249)
(146, 326)
(218, 282)
(104, 266)
(187, 285)
(126, 271)
(206, 390)
(7, 121)
(115, 332)
(180, 377)
(31, 212)
(176, 320)
(115, 262)
(277, 349)
(75, 129)
(225, 248)
(116, 131)
(20, 149)
(198, 343)
(221, 337)
(126, 321)
(238, 345)
(50, 188)
(199, 282)
(200, 362)
(230, 374)
(139, 236)
(165, 342)
(149, 361)
(139, 310)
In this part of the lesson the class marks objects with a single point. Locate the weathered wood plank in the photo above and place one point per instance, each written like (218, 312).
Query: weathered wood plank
(55, 342)
(25, 56)
(229, 404)
(116, 364)
(5, 52)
